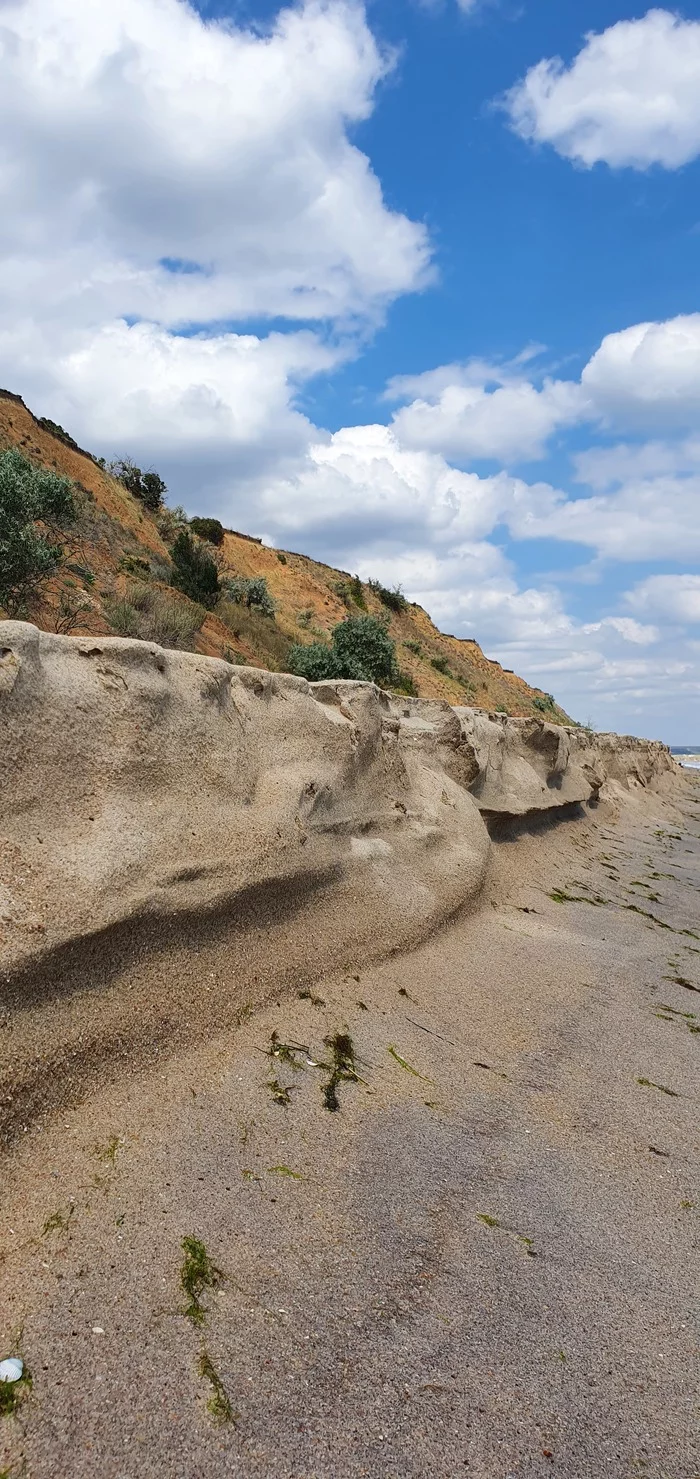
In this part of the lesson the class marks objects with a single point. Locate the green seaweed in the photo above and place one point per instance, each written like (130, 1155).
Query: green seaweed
(682, 981)
(634, 909)
(490, 1069)
(197, 1274)
(219, 1404)
(342, 1068)
(521, 1238)
(407, 1066)
(287, 1052)
(280, 1092)
(648, 1083)
(284, 1171)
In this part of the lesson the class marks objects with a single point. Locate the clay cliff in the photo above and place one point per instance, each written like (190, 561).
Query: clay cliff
(119, 552)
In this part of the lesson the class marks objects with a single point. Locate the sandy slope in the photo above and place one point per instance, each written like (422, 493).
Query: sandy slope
(369, 1322)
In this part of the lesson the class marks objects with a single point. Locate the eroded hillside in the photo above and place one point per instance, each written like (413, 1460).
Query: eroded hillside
(118, 559)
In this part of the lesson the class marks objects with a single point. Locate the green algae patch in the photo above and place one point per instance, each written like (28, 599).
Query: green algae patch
(198, 1273)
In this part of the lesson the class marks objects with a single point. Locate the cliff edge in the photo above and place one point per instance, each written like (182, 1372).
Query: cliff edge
(141, 786)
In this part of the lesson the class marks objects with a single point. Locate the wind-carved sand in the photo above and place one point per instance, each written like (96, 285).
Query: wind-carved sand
(219, 888)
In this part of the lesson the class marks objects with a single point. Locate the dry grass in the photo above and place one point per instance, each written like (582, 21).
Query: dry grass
(154, 615)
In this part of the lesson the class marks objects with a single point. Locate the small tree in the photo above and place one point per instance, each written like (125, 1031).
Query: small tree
(147, 486)
(211, 529)
(195, 574)
(35, 505)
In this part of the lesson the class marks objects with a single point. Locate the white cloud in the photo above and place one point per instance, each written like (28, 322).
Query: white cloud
(676, 597)
(361, 489)
(630, 630)
(648, 373)
(137, 132)
(603, 467)
(654, 519)
(645, 376)
(630, 97)
(483, 411)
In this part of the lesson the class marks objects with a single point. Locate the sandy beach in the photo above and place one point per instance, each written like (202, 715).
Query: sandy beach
(484, 1262)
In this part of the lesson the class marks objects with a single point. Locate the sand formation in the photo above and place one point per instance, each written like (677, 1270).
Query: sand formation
(144, 788)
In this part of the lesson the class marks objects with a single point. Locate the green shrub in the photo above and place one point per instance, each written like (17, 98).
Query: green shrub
(195, 572)
(414, 647)
(250, 591)
(361, 648)
(122, 616)
(146, 486)
(395, 599)
(30, 555)
(155, 616)
(350, 591)
(545, 704)
(281, 557)
(210, 529)
(357, 592)
(315, 661)
(364, 649)
(71, 610)
(442, 665)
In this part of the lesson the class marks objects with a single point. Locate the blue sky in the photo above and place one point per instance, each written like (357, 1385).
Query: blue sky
(440, 321)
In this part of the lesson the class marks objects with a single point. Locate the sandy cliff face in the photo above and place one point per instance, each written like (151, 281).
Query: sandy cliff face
(143, 787)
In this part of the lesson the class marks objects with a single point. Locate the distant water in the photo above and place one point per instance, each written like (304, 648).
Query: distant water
(687, 755)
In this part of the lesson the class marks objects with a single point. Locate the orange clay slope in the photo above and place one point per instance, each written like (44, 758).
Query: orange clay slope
(118, 545)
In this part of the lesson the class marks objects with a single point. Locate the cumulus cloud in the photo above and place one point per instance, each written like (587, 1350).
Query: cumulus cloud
(360, 489)
(676, 597)
(163, 177)
(645, 376)
(648, 373)
(630, 97)
(483, 411)
(142, 138)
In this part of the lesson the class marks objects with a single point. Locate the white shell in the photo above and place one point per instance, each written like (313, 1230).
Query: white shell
(11, 1369)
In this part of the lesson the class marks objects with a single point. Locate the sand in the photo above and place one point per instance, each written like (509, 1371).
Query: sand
(484, 1263)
